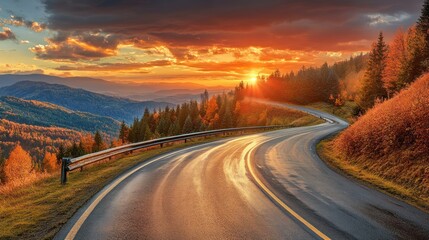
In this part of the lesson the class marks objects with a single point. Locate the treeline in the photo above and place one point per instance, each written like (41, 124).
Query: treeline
(388, 68)
(394, 67)
(214, 112)
(87, 144)
(309, 84)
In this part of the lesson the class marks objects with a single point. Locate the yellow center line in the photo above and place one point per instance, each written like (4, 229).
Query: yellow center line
(279, 201)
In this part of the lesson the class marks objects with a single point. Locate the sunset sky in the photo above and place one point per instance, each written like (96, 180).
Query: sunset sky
(209, 42)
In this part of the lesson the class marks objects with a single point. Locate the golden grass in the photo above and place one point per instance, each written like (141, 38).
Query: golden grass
(346, 112)
(405, 192)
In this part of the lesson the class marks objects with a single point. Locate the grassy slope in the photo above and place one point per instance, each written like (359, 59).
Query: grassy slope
(326, 151)
(346, 112)
(39, 211)
(389, 146)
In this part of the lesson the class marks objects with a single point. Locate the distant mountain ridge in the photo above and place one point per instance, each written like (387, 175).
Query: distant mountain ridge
(138, 91)
(38, 113)
(81, 100)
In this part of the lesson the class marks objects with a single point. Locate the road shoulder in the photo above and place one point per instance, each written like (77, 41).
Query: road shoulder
(327, 154)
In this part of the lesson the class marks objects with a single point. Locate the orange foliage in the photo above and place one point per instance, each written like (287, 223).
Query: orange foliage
(50, 162)
(211, 108)
(117, 143)
(396, 58)
(35, 139)
(392, 139)
(18, 166)
(87, 142)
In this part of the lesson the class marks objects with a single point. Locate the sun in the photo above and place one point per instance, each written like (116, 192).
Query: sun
(252, 77)
(252, 80)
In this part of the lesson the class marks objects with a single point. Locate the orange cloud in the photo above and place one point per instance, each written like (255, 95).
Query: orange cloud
(72, 49)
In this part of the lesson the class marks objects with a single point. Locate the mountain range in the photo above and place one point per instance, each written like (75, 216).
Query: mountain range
(177, 91)
(38, 113)
(81, 100)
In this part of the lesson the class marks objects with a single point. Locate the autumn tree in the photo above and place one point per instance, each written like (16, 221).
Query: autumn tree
(372, 86)
(397, 57)
(50, 162)
(19, 164)
(87, 142)
(212, 109)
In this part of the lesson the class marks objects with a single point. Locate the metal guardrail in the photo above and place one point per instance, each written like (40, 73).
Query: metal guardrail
(70, 164)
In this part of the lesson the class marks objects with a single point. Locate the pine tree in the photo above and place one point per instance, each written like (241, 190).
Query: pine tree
(123, 132)
(372, 86)
(98, 142)
(204, 101)
(134, 134)
(418, 47)
(74, 151)
(187, 126)
(423, 27)
(147, 133)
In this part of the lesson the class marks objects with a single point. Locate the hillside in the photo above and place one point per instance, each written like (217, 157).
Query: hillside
(392, 139)
(46, 114)
(34, 139)
(81, 100)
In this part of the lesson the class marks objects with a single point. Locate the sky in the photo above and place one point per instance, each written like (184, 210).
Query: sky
(208, 42)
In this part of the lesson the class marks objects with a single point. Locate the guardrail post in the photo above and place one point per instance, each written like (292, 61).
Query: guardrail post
(64, 164)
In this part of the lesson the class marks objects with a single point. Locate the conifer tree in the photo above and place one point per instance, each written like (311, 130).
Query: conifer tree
(372, 86)
(418, 46)
(423, 27)
(98, 142)
(123, 132)
(187, 127)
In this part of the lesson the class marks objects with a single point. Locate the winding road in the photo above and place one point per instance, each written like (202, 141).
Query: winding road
(269, 185)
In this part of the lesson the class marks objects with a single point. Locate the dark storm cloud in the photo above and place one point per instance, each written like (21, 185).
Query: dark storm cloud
(197, 15)
(331, 25)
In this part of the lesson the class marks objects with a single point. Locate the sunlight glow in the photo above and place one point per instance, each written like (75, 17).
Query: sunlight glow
(253, 80)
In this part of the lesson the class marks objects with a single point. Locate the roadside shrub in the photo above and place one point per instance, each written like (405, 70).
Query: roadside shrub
(392, 139)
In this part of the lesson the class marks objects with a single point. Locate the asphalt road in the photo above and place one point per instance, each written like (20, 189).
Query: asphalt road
(269, 185)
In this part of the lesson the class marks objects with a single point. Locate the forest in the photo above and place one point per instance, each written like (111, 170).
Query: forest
(40, 149)
(366, 79)
(311, 84)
